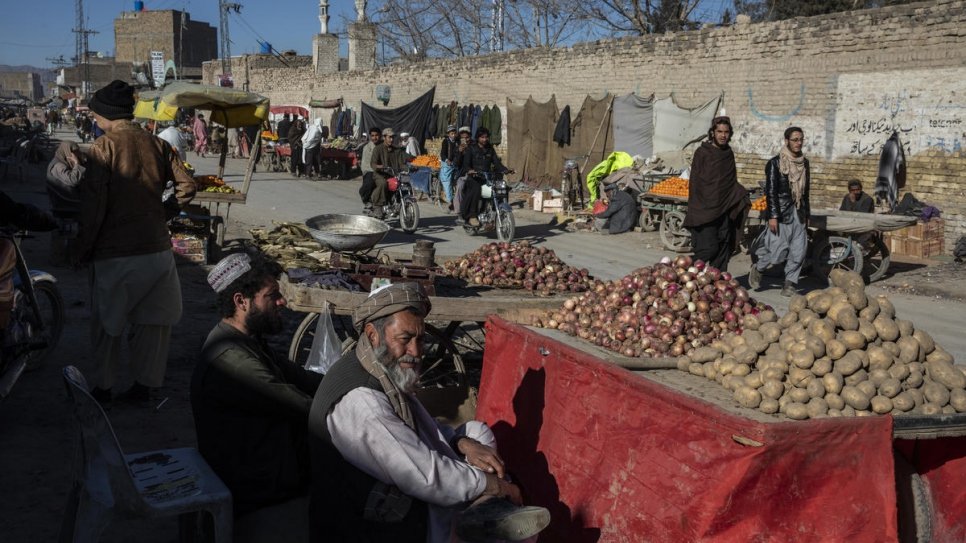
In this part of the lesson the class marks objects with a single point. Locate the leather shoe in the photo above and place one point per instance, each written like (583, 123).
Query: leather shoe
(497, 519)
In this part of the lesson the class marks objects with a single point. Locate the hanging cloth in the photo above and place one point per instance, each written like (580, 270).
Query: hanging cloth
(561, 134)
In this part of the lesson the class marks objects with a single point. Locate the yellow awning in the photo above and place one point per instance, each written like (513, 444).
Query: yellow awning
(229, 107)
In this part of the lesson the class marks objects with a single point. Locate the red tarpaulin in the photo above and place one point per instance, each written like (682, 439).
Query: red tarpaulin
(291, 110)
(618, 457)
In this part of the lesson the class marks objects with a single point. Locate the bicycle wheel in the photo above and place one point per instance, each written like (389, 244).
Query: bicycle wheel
(435, 190)
(836, 253)
(875, 260)
(674, 235)
(51, 306)
(298, 350)
(409, 216)
(505, 226)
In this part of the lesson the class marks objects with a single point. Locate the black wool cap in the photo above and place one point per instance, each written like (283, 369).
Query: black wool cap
(114, 101)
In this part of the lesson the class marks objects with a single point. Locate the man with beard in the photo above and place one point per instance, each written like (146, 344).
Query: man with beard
(251, 405)
(787, 180)
(382, 468)
(716, 202)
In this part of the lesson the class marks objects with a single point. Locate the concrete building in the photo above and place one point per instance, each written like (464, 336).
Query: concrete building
(21, 84)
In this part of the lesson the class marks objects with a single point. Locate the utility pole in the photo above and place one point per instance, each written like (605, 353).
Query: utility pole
(223, 9)
(82, 49)
(57, 63)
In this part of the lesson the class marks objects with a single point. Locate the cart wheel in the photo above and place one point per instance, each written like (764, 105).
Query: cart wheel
(876, 260)
(648, 222)
(836, 252)
(435, 190)
(442, 362)
(673, 234)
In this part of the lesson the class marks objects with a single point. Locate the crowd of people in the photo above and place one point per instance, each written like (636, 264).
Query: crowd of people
(352, 455)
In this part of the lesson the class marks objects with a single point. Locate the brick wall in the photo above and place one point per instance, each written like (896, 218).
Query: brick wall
(848, 79)
(137, 33)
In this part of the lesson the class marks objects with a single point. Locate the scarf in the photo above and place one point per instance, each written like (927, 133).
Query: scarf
(367, 358)
(793, 167)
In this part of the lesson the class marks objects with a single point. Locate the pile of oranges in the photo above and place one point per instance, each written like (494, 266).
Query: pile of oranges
(672, 186)
(209, 181)
(427, 161)
(760, 204)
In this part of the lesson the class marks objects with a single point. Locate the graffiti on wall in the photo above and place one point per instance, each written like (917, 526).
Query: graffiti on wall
(926, 107)
(764, 137)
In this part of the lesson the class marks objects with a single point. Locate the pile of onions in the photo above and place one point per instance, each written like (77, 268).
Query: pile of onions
(667, 309)
(519, 265)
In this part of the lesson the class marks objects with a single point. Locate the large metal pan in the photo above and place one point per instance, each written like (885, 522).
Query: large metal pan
(347, 232)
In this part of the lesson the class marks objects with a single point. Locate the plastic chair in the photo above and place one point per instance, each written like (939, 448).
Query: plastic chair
(108, 483)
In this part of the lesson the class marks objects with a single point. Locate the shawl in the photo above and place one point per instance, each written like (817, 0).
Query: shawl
(713, 188)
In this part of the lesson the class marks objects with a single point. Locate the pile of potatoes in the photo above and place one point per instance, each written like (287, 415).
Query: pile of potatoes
(837, 352)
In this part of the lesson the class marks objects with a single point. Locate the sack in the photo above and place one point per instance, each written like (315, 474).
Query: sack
(326, 348)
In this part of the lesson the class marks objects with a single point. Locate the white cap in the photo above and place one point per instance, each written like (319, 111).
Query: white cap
(228, 269)
(404, 134)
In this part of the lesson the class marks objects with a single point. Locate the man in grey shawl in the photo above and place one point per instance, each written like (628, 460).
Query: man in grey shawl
(787, 179)
(382, 468)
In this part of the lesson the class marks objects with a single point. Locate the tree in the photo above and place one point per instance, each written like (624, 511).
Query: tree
(778, 10)
(640, 17)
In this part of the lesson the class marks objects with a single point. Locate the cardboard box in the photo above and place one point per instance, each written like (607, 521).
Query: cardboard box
(190, 248)
(539, 198)
(552, 205)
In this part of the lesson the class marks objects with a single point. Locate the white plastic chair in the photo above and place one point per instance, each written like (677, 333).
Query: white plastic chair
(108, 483)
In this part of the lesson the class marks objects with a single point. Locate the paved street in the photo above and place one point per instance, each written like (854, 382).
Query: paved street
(279, 196)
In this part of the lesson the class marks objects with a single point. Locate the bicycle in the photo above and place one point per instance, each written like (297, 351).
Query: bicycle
(572, 185)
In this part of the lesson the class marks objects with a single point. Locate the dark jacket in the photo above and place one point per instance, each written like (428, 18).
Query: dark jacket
(339, 489)
(251, 410)
(622, 212)
(450, 150)
(561, 134)
(121, 209)
(714, 190)
(778, 193)
(480, 160)
(863, 205)
(385, 158)
(283, 127)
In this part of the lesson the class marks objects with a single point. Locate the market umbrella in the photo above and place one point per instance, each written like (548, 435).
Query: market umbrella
(231, 108)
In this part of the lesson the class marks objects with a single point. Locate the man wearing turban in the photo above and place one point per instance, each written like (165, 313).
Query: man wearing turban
(382, 468)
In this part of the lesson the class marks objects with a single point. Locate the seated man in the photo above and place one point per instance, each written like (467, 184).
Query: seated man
(621, 213)
(382, 468)
(251, 406)
(856, 200)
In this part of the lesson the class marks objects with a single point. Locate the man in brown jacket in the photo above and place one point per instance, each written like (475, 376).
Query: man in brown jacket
(125, 237)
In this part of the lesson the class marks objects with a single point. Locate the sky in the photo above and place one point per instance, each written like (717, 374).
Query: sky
(33, 31)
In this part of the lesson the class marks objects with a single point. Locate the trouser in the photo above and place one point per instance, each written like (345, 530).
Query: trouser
(286, 521)
(149, 354)
(368, 184)
(470, 202)
(296, 166)
(788, 245)
(380, 191)
(312, 161)
(458, 193)
(714, 242)
(447, 174)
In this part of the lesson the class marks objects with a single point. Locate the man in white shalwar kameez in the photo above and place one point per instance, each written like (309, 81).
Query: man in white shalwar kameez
(383, 469)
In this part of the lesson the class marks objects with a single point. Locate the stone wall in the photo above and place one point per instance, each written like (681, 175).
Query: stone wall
(17, 84)
(848, 79)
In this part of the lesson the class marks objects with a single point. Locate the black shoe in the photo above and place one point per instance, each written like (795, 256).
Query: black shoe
(754, 278)
(789, 289)
(138, 394)
(102, 397)
(498, 519)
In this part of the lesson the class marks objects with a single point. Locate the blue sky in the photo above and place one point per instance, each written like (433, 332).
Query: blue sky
(33, 30)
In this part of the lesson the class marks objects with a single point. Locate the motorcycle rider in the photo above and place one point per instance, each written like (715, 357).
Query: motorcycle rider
(480, 158)
(22, 216)
(387, 160)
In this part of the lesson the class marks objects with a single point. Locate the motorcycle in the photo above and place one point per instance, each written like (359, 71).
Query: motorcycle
(495, 212)
(31, 312)
(402, 202)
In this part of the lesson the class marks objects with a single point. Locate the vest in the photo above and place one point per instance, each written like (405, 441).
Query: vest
(339, 489)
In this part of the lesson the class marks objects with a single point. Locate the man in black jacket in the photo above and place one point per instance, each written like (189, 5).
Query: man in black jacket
(251, 406)
(282, 129)
(477, 160)
(621, 212)
(856, 200)
(787, 180)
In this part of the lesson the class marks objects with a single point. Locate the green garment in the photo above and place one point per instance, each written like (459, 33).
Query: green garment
(614, 162)
(496, 124)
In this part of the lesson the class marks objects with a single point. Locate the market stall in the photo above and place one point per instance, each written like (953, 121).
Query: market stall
(231, 108)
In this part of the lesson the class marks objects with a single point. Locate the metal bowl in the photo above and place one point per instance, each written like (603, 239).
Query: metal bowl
(347, 232)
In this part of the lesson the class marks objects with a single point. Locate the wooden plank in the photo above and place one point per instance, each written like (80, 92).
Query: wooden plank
(219, 197)
(474, 307)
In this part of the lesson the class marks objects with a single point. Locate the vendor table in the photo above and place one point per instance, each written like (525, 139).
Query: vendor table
(655, 456)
